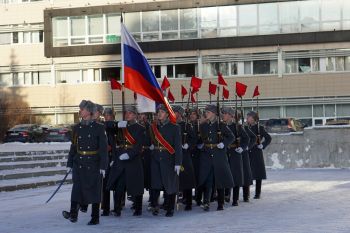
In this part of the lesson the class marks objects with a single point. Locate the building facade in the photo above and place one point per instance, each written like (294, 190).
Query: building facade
(55, 53)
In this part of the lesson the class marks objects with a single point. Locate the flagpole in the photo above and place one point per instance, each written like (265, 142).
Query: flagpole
(112, 101)
(242, 112)
(122, 60)
(209, 98)
(197, 100)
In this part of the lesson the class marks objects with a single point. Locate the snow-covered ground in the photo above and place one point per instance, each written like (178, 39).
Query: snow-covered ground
(303, 200)
(45, 146)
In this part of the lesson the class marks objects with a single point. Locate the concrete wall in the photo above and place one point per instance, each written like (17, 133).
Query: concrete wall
(315, 148)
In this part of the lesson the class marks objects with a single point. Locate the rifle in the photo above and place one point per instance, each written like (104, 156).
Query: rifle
(258, 138)
(219, 117)
(237, 140)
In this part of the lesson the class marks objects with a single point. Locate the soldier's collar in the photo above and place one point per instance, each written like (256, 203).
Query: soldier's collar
(86, 122)
(213, 121)
(230, 123)
(166, 121)
(132, 122)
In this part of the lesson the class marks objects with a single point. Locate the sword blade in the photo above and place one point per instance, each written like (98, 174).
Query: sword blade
(59, 186)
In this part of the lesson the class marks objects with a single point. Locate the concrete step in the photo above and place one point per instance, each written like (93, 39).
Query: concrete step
(28, 183)
(33, 164)
(31, 172)
(5, 159)
(26, 153)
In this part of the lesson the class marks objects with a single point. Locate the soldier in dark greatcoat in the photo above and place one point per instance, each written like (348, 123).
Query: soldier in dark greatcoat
(187, 175)
(110, 127)
(88, 159)
(247, 171)
(127, 168)
(166, 161)
(256, 156)
(234, 152)
(214, 165)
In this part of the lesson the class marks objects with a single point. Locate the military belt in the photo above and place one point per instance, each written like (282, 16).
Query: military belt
(160, 148)
(233, 145)
(87, 152)
(126, 146)
(145, 147)
(211, 146)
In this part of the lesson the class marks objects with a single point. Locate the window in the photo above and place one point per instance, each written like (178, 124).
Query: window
(132, 22)
(248, 19)
(339, 63)
(212, 69)
(150, 25)
(156, 71)
(268, 18)
(288, 17)
(97, 76)
(170, 71)
(265, 67)
(37, 37)
(78, 30)
(299, 111)
(185, 70)
(329, 110)
(169, 24)
(309, 16)
(5, 38)
(188, 23)
(330, 15)
(347, 63)
(68, 76)
(6, 79)
(60, 31)
(329, 64)
(41, 77)
(15, 37)
(247, 67)
(95, 26)
(315, 64)
(227, 20)
(27, 78)
(208, 21)
(234, 68)
(113, 28)
(304, 65)
(291, 66)
(346, 15)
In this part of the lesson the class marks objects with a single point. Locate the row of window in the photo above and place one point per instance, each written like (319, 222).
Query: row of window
(206, 22)
(29, 37)
(260, 67)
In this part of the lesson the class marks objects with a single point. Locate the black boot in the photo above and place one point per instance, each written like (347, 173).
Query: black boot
(221, 199)
(188, 197)
(171, 205)
(118, 203)
(227, 195)
(95, 216)
(235, 196)
(154, 202)
(73, 214)
(257, 189)
(138, 206)
(84, 208)
(199, 195)
(246, 193)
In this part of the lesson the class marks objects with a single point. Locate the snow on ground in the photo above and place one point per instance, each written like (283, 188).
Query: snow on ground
(302, 200)
(45, 146)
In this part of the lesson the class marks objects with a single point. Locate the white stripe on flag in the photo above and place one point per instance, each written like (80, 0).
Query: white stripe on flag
(145, 104)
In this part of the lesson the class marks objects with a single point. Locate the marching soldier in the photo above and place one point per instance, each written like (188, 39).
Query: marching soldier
(127, 168)
(234, 152)
(195, 152)
(166, 161)
(256, 153)
(187, 175)
(98, 113)
(88, 160)
(247, 171)
(214, 166)
(110, 127)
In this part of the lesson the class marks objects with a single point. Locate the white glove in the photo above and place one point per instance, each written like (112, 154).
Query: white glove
(177, 169)
(200, 146)
(151, 147)
(111, 164)
(185, 146)
(260, 146)
(239, 150)
(122, 124)
(220, 145)
(102, 172)
(124, 156)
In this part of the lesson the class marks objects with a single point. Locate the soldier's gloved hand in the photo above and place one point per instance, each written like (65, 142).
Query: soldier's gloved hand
(151, 147)
(102, 172)
(260, 146)
(239, 150)
(220, 145)
(200, 146)
(122, 124)
(124, 156)
(111, 164)
(185, 146)
(177, 169)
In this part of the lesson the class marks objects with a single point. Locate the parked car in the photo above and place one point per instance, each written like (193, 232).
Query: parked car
(283, 125)
(339, 121)
(24, 133)
(59, 134)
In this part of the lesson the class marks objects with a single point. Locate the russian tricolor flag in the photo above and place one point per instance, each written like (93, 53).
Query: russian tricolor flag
(138, 75)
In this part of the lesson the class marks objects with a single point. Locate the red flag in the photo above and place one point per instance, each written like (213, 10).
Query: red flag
(183, 91)
(196, 83)
(115, 85)
(225, 93)
(193, 100)
(241, 89)
(212, 88)
(221, 80)
(256, 91)
(194, 90)
(165, 83)
(171, 96)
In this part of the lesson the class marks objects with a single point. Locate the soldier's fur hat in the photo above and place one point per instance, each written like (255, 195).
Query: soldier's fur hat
(228, 110)
(90, 107)
(130, 108)
(99, 108)
(253, 114)
(162, 107)
(108, 111)
(211, 108)
(179, 109)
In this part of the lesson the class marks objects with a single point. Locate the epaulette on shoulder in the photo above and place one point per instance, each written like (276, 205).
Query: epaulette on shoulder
(143, 126)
